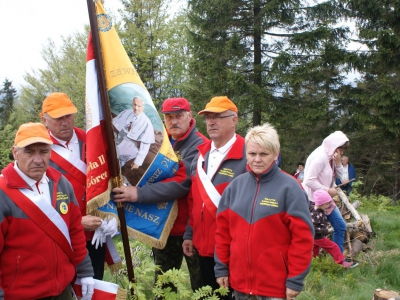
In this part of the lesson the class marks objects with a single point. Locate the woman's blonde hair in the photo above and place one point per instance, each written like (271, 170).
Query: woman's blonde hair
(266, 136)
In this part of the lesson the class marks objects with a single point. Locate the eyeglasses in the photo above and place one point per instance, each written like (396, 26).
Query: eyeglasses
(216, 118)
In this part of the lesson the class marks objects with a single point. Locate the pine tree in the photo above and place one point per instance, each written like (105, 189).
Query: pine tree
(8, 96)
(378, 90)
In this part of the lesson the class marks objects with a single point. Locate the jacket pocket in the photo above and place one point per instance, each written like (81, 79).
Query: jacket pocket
(17, 267)
(284, 263)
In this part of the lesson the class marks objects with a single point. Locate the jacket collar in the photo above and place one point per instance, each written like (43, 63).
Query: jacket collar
(13, 180)
(188, 132)
(236, 152)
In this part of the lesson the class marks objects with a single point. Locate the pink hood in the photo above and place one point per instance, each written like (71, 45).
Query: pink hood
(333, 141)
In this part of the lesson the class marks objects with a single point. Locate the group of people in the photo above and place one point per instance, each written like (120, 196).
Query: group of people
(242, 222)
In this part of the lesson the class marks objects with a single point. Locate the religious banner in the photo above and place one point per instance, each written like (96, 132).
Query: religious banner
(144, 152)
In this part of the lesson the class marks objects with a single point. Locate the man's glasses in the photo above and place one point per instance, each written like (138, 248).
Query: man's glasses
(216, 118)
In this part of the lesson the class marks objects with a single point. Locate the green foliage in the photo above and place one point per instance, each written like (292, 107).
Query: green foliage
(145, 288)
(7, 141)
(8, 96)
(372, 201)
(378, 266)
(155, 43)
(65, 72)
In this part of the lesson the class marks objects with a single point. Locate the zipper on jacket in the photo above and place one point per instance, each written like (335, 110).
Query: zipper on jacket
(250, 230)
(56, 269)
(16, 271)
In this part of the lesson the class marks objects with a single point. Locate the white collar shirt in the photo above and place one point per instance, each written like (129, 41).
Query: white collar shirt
(216, 156)
(72, 145)
(43, 186)
(345, 173)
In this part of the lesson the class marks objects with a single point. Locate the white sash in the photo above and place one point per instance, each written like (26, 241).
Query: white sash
(209, 188)
(49, 211)
(70, 157)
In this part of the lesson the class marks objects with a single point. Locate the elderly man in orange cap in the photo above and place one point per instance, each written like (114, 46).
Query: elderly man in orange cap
(219, 162)
(68, 157)
(42, 243)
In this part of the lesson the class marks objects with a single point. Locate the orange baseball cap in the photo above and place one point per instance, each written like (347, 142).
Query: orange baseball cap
(58, 105)
(219, 104)
(31, 133)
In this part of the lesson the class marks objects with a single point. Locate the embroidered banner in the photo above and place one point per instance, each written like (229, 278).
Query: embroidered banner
(144, 151)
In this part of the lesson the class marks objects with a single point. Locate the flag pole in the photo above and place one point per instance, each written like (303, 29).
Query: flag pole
(112, 152)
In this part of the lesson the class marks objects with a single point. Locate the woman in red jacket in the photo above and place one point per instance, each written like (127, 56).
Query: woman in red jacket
(264, 236)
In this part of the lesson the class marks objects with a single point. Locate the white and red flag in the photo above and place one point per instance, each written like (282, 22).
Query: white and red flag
(102, 290)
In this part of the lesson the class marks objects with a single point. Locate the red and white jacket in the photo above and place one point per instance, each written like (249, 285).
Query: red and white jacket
(202, 210)
(33, 264)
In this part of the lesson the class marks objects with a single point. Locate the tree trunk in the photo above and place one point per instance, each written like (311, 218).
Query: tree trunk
(257, 60)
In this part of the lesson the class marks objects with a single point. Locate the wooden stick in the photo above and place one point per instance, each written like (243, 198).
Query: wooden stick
(346, 202)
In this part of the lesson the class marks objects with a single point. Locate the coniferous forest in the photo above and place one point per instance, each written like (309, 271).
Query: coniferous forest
(309, 68)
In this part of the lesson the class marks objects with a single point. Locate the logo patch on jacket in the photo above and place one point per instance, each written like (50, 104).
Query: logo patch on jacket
(226, 172)
(269, 202)
(61, 196)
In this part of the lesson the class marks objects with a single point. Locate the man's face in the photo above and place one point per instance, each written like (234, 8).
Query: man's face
(178, 124)
(220, 129)
(137, 106)
(345, 161)
(301, 168)
(62, 128)
(33, 160)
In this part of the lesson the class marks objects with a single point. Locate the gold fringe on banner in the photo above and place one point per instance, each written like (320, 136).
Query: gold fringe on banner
(153, 242)
(99, 201)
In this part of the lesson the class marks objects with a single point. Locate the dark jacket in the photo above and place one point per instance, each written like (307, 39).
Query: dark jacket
(352, 175)
(320, 222)
(178, 186)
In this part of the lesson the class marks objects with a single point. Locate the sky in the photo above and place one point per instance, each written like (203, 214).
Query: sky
(26, 26)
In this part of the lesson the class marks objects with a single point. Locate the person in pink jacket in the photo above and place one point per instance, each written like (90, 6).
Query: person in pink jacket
(322, 166)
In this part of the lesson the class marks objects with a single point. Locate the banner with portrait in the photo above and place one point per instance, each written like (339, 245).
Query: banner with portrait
(144, 151)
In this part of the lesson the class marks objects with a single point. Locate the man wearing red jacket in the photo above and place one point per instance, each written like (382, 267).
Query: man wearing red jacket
(68, 157)
(42, 244)
(219, 161)
(185, 138)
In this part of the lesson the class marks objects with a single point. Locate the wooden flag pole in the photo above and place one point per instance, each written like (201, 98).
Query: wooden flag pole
(111, 149)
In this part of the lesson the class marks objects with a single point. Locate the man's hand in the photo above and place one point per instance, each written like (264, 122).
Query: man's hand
(187, 247)
(91, 223)
(223, 281)
(291, 294)
(332, 192)
(134, 166)
(125, 194)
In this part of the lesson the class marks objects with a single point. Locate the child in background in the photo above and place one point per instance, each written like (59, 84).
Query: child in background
(322, 200)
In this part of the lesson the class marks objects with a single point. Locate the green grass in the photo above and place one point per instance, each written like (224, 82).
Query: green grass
(379, 267)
